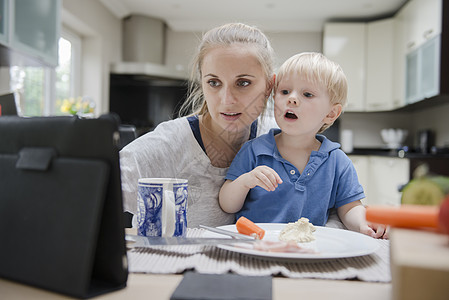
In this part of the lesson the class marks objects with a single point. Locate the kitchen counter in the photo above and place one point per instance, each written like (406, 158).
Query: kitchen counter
(437, 163)
(401, 153)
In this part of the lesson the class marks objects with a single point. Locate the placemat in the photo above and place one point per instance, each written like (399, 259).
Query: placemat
(213, 260)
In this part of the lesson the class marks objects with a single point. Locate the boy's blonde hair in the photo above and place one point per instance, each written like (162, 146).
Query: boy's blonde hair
(225, 35)
(317, 68)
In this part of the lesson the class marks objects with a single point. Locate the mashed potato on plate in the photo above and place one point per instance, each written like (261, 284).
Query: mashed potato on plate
(300, 231)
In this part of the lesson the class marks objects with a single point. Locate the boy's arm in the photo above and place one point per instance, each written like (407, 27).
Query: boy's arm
(353, 215)
(233, 192)
(232, 195)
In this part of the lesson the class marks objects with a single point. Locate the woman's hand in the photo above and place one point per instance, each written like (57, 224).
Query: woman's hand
(262, 176)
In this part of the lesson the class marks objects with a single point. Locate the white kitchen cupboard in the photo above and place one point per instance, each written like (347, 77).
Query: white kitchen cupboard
(361, 165)
(345, 44)
(370, 61)
(32, 28)
(386, 176)
(381, 62)
(401, 53)
(422, 28)
(381, 178)
(422, 21)
(399, 64)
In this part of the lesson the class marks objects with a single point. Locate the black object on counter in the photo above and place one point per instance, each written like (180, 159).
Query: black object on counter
(426, 140)
(223, 286)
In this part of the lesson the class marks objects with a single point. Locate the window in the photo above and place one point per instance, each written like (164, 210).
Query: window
(41, 90)
(27, 83)
(63, 80)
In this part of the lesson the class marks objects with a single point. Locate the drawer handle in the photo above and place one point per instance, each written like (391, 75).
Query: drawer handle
(428, 34)
(374, 105)
(410, 45)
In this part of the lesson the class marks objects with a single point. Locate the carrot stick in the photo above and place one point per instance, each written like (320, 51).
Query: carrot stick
(245, 226)
(409, 216)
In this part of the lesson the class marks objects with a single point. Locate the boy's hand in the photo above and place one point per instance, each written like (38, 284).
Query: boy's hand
(262, 176)
(377, 231)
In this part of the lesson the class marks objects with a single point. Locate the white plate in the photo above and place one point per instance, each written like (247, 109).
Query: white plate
(329, 243)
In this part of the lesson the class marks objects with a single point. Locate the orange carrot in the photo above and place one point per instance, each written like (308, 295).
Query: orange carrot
(245, 226)
(410, 216)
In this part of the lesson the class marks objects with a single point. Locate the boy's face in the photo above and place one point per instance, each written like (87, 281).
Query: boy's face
(302, 107)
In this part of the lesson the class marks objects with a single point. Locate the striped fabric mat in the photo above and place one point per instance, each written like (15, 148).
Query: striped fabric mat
(213, 260)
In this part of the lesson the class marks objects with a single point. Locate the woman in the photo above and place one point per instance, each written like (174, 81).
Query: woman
(231, 80)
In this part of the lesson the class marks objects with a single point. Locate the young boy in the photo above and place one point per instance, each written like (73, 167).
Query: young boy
(293, 171)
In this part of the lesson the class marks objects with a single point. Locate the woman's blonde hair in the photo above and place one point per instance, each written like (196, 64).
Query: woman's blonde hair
(317, 68)
(225, 35)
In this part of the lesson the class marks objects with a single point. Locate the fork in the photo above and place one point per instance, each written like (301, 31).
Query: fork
(234, 235)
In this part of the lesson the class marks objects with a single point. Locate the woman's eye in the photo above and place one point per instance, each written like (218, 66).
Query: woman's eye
(285, 92)
(213, 83)
(308, 95)
(243, 83)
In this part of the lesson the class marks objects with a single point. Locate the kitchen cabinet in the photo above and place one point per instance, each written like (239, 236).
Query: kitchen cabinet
(422, 21)
(31, 28)
(361, 165)
(366, 52)
(382, 61)
(386, 176)
(4, 22)
(422, 30)
(345, 44)
(423, 71)
(381, 178)
(394, 61)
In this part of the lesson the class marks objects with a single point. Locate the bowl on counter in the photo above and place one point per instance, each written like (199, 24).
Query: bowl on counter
(393, 137)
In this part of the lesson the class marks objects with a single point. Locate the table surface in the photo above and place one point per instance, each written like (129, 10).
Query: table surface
(406, 251)
(159, 286)
(141, 286)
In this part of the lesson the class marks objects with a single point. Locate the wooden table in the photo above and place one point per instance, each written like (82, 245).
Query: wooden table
(151, 286)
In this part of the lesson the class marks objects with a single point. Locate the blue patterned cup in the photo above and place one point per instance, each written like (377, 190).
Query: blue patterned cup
(161, 207)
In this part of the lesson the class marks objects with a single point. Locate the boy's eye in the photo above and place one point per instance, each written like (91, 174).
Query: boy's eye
(243, 83)
(308, 95)
(213, 83)
(285, 92)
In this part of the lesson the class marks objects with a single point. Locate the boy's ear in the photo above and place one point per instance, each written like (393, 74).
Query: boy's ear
(334, 113)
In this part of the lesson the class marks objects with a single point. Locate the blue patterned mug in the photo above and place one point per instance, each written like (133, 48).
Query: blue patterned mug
(161, 207)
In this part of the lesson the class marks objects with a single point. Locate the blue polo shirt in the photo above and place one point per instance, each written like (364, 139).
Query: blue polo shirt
(329, 180)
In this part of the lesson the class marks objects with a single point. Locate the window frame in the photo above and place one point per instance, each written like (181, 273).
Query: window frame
(75, 73)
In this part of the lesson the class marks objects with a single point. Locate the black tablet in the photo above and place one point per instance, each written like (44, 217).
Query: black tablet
(61, 214)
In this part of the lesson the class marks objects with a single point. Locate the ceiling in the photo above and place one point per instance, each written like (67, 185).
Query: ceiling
(269, 15)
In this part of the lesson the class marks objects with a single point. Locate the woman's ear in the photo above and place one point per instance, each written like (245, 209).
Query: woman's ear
(270, 85)
(334, 113)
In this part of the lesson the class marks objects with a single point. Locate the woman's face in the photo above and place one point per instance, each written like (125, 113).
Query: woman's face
(234, 86)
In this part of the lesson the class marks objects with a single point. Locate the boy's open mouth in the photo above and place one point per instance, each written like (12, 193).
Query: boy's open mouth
(290, 115)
